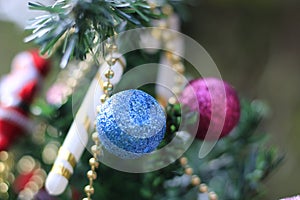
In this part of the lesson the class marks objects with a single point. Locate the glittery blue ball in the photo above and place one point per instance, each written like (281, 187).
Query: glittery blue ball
(131, 123)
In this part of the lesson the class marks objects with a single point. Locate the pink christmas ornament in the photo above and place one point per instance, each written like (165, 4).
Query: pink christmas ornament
(200, 94)
(292, 198)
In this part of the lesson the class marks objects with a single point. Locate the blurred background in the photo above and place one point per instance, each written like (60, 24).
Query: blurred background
(256, 46)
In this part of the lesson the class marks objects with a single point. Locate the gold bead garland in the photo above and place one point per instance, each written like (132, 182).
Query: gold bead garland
(94, 164)
(175, 61)
(195, 180)
(96, 149)
(178, 67)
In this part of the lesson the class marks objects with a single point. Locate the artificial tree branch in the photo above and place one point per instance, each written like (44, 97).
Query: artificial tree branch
(79, 26)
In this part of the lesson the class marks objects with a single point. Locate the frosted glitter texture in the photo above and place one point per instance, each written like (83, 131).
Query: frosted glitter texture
(204, 97)
(292, 198)
(131, 123)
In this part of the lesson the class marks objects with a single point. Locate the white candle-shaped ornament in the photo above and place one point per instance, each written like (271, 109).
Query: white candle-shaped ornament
(77, 137)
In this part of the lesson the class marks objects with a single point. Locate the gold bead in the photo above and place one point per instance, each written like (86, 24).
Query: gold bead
(213, 196)
(203, 188)
(83, 66)
(107, 86)
(78, 75)
(172, 100)
(93, 162)
(72, 82)
(91, 174)
(162, 24)
(188, 171)
(179, 68)
(173, 57)
(103, 98)
(109, 74)
(95, 149)
(183, 161)
(178, 80)
(114, 47)
(167, 36)
(111, 47)
(95, 137)
(152, 5)
(176, 90)
(195, 180)
(111, 61)
(156, 33)
(89, 189)
(167, 10)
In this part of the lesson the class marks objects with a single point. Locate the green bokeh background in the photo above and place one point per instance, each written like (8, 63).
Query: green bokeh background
(256, 46)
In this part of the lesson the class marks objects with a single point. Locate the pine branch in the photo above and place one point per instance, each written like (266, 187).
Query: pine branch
(237, 165)
(79, 26)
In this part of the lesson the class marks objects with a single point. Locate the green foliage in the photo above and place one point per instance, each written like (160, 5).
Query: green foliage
(234, 169)
(79, 26)
(238, 164)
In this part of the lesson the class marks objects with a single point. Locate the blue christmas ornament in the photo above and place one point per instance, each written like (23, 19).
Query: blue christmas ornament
(131, 123)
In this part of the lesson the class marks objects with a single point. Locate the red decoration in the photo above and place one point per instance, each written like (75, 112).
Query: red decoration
(11, 129)
(76, 195)
(17, 91)
(206, 91)
(21, 181)
(41, 64)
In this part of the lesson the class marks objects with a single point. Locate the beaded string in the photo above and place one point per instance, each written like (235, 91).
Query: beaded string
(97, 148)
(178, 67)
(109, 74)
(195, 180)
(92, 174)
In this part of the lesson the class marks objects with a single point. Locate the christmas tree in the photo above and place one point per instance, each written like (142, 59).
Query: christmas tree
(207, 149)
